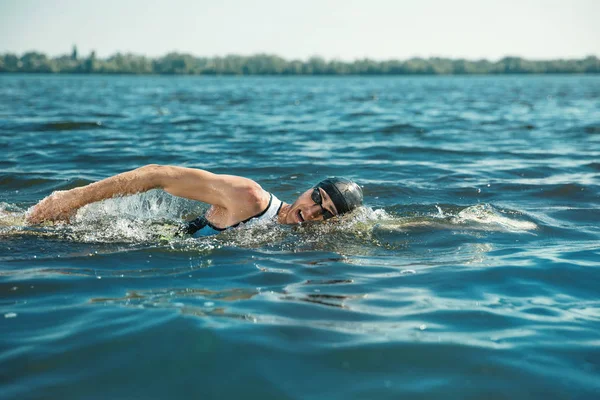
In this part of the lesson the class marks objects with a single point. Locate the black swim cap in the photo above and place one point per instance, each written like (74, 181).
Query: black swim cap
(345, 194)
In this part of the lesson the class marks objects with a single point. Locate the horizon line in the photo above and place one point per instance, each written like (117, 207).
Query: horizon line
(314, 56)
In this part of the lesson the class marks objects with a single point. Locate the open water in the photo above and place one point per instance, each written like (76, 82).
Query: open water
(472, 272)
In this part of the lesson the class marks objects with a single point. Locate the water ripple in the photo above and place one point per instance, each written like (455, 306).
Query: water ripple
(471, 270)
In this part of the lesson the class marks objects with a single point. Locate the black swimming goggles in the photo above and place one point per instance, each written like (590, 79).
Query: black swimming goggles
(318, 199)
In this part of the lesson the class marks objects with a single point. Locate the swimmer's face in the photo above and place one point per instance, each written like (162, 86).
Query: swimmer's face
(312, 205)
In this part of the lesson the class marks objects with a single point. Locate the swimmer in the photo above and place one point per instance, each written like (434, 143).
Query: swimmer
(233, 199)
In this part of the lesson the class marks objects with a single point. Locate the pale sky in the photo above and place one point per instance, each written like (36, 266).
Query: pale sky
(341, 29)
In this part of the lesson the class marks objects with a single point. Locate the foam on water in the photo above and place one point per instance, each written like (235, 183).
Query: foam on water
(155, 215)
(151, 205)
(10, 216)
(486, 215)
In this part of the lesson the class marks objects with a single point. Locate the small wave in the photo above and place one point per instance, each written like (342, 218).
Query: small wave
(166, 296)
(23, 181)
(68, 126)
(487, 215)
(594, 165)
(196, 302)
(527, 127)
(360, 114)
(363, 99)
(568, 191)
(592, 129)
(188, 121)
(401, 128)
(477, 217)
(6, 164)
(107, 115)
(238, 101)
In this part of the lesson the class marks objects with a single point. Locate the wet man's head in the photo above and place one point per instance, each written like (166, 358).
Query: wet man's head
(345, 194)
(328, 198)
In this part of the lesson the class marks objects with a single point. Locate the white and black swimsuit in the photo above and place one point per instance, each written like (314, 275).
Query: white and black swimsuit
(202, 226)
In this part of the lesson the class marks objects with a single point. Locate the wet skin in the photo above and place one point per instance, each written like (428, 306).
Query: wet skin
(305, 209)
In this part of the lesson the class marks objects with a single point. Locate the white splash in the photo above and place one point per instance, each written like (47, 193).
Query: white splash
(485, 214)
(11, 215)
(143, 217)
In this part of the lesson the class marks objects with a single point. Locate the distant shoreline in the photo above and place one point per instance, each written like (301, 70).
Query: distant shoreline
(271, 65)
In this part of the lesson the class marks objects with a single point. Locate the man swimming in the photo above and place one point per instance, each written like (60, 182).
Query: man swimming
(233, 199)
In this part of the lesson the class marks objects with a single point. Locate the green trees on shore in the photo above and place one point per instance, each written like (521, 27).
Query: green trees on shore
(265, 64)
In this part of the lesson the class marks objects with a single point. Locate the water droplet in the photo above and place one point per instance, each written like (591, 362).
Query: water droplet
(423, 327)
(440, 212)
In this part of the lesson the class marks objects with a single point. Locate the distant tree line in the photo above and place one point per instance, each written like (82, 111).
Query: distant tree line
(265, 64)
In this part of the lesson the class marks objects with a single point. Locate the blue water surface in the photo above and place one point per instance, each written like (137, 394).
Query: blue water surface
(472, 272)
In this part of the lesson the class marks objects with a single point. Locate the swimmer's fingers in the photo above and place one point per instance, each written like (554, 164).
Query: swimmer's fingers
(52, 208)
(38, 213)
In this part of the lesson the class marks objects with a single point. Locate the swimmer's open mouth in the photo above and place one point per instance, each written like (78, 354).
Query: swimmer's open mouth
(300, 217)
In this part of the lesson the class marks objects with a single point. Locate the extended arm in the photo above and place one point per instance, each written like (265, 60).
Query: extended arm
(235, 197)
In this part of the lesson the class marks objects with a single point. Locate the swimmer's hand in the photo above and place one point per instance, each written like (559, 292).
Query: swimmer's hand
(59, 206)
